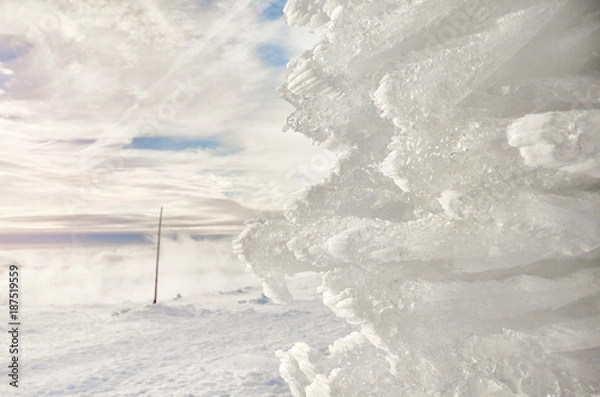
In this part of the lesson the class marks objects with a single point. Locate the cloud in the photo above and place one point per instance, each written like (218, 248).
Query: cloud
(112, 109)
(87, 86)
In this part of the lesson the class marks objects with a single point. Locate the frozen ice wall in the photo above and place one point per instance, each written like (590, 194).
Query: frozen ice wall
(460, 231)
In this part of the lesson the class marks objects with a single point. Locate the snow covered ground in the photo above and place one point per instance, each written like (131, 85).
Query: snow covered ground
(214, 345)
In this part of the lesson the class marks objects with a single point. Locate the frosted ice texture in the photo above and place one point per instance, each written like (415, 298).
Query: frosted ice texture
(460, 231)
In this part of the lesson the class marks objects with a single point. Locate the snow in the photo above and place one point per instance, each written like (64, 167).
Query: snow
(569, 141)
(204, 345)
(459, 234)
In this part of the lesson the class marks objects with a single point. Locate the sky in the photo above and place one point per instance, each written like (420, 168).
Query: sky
(110, 110)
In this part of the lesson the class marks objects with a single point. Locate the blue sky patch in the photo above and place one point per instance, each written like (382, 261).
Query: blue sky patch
(272, 55)
(274, 11)
(8, 54)
(171, 144)
(73, 239)
(111, 238)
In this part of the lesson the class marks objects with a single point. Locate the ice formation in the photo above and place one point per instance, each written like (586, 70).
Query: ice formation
(460, 231)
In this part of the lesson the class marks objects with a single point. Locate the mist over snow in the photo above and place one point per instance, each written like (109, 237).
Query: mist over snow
(114, 274)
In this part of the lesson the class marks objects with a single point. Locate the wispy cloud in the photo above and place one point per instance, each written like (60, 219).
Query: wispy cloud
(109, 110)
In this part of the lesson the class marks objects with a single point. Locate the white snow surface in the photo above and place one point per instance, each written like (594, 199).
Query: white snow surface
(215, 345)
(459, 234)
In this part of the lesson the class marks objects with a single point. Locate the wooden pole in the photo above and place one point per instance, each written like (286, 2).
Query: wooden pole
(157, 257)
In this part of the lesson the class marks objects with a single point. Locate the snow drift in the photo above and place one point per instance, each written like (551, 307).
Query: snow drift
(460, 231)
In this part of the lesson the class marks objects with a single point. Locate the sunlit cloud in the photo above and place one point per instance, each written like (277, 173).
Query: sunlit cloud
(110, 110)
